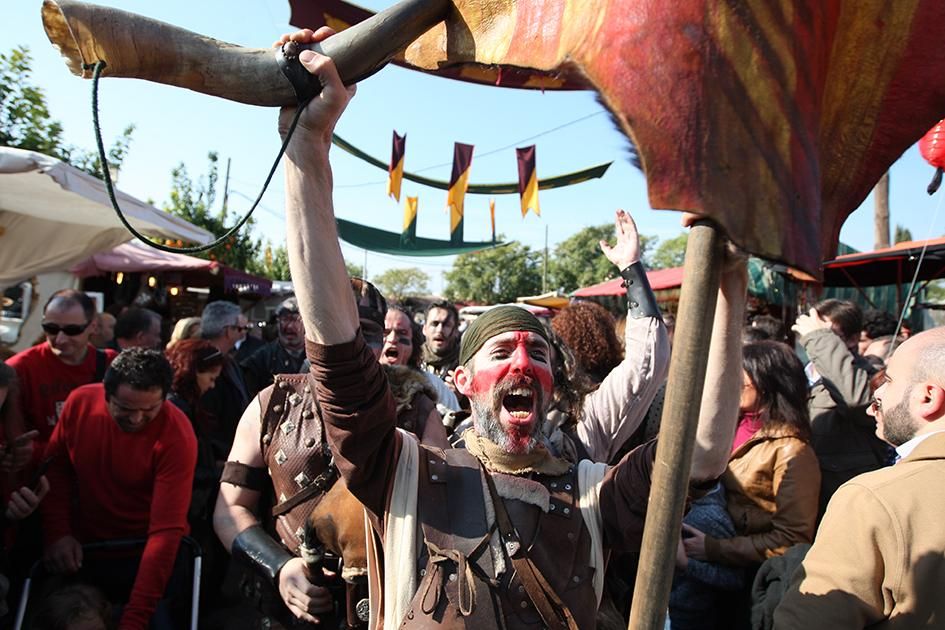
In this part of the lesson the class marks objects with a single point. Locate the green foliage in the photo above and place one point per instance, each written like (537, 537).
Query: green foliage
(579, 262)
(193, 200)
(275, 263)
(670, 253)
(902, 234)
(397, 284)
(26, 123)
(495, 275)
(355, 271)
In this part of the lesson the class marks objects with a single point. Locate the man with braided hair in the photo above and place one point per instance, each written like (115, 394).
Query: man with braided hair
(503, 533)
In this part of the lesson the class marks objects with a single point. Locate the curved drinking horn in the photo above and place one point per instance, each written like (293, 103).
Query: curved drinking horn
(138, 47)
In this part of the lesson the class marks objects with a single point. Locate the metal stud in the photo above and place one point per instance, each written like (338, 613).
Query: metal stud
(308, 414)
(576, 579)
(281, 457)
(282, 498)
(310, 442)
(566, 511)
(452, 577)
(295, 399)
(554, 485)
(277, 408)
(552, 507)
(567, 486)
(287, 427)
(267, 439)
(435, 477)
(524, 604)
(302, 479)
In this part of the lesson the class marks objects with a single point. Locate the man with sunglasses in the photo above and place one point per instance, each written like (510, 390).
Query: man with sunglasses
(48, 372)
(283, 355)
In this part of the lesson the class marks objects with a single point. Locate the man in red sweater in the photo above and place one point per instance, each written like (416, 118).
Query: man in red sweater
(48, 372)
(123, 468)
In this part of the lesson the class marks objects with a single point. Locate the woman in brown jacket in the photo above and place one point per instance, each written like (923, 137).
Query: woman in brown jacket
(772, 481)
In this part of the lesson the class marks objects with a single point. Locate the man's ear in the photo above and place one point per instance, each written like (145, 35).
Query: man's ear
(461, 379)
(930, 401)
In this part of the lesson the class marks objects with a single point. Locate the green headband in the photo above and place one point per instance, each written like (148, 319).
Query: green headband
(494, 322)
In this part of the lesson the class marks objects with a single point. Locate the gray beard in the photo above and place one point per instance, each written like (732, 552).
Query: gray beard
(485, 419)
(898, 426)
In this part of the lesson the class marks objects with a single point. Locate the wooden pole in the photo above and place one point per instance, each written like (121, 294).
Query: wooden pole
(687, 369)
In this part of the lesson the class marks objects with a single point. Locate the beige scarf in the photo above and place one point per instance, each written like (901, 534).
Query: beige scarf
(495, 459)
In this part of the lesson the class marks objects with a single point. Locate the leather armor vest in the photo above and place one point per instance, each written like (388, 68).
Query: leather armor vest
(458, 582)
(296, 453)
(293, 444)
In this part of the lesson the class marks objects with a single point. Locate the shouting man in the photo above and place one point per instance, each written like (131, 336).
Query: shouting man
(471, 537)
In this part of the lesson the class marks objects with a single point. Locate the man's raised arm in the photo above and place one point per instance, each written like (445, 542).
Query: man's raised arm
(315, 259)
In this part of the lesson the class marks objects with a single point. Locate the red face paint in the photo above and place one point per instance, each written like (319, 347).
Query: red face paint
(503, 364)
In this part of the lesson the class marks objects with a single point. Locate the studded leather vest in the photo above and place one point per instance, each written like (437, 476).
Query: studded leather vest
(459, 582)
(293, 444)
(296, 453)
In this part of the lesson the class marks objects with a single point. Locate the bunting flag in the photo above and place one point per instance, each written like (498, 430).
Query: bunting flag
(395, 172)
(456, 196)
(492, 216)
(528, 180)
(504, 188)
(384, 242)
(408, 237)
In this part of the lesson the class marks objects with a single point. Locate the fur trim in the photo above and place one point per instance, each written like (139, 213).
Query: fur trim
(405, 384)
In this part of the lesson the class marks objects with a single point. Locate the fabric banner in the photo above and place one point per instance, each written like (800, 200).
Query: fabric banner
(340, 15)
(409, 234)
(456, 196)
(492, 217)
(395, 172)
(384, 242)
(559, 181)
(528, 180)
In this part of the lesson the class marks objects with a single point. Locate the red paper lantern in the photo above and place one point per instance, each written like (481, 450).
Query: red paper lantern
(932, 148)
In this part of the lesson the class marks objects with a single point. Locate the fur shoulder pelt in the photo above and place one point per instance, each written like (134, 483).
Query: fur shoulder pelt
(406, 384)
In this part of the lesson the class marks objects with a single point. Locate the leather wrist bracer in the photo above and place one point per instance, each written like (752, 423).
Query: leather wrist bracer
(640, 299)
(256, 549)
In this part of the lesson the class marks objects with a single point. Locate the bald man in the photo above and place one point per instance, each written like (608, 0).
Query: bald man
(878, 556)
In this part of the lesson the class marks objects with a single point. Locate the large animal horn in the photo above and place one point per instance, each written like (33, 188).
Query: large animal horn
(138, 47)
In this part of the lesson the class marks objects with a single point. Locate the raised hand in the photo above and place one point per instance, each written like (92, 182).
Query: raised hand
(627, 250)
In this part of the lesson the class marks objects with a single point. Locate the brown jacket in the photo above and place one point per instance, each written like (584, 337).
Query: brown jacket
(772, 484)
(878, 555)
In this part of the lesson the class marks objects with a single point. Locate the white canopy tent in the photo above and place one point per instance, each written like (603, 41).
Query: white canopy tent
(53, 215)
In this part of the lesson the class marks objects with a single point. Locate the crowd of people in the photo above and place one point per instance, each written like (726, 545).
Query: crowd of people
(374, 467)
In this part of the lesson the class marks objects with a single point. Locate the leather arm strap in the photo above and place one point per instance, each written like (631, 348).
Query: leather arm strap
(552, 610)
(250, 477)
(256, 549)
(640, 299)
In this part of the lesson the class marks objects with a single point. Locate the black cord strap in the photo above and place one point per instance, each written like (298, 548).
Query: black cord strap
(109, 187)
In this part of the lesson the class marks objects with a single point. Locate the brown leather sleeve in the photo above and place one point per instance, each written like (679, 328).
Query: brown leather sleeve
(360, 415)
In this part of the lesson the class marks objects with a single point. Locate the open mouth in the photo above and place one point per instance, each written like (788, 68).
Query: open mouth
(391, 352)
(519, 402)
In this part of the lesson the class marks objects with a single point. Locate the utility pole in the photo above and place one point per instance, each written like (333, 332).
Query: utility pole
(544, 271)
(881, 212)
(226, 186)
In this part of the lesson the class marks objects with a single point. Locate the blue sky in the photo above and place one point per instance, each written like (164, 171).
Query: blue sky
(175, 125)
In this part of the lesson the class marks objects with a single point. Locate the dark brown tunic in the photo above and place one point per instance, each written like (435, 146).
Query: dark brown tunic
(359, 414)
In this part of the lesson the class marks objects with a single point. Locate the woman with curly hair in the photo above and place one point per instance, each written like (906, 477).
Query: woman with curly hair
(590, 332)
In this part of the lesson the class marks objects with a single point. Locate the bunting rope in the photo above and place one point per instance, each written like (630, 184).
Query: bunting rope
(110, 188)
(559, 181)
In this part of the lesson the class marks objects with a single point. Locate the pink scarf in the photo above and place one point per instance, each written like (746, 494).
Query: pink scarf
(748, 424)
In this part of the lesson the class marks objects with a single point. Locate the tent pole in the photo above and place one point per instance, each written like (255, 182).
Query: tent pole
(687, 369)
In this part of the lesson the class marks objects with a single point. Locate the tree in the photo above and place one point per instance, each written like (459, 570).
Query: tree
(192, 200)
(396, 284)
(276, 262)
(670, 253)
(495, 275)
(355, 271)
(578, 261)
(26, 123)
(902, 234)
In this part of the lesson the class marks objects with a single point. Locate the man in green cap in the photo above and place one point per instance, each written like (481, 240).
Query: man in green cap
(502, 534)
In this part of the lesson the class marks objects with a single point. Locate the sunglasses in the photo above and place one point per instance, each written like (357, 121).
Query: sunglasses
(239, 328)
(70, 330)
